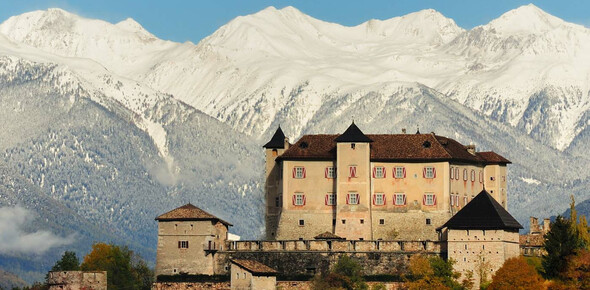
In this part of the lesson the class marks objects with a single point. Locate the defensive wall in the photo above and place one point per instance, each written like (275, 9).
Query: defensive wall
(307, 257)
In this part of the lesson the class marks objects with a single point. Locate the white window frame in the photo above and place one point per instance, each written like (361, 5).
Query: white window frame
(353, 196)
(379, 196)
(299, 199)
(465, 200)
(299, 172)
(429, 172)
(331, 172)
(465, 176)
(429, 201)
(398, 199)
(452, 173)
(331, 199)
(398, 172)
(472, 175)
(379, 172)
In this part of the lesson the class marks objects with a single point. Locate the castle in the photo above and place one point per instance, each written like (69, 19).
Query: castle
(377, 198)
(372, 187)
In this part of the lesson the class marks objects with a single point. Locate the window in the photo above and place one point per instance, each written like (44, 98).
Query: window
(452, 199)
(379, 199)
(352, 171)
(472, 175)
(330, 199)
(399, 199)
(378, 172)
(343, 222)
(400, 172)
(333, 222)
(277, 203)
(275, 152)
(362, 221)
(429, 172)
(452, 173)
(429, 199)
(503, 177)
(381, 221)
(298, 172)
(330, 172)
(183, 244)
(428, 221)
(465, 200)
(457, 173)
(480, 176)
(465, 174)
(301, 222)
(352, 198)
(299, 199)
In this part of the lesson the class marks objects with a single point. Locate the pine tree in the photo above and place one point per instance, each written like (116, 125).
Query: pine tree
(560, 242)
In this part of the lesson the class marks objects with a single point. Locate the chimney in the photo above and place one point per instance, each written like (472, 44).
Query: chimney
(287, 144)
(546, 225)
(404, 130)
(471, 149)
(534, 226)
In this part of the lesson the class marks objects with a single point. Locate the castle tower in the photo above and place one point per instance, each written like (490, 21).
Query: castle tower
(273, 185)
(188, 241)
(353, 188)
(481, 236)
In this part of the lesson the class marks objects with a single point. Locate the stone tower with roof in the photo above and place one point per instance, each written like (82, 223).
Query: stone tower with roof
(188, 241)
(480, 237)
(382, 186)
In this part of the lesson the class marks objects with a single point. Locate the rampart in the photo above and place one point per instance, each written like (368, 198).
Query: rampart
(307, 257)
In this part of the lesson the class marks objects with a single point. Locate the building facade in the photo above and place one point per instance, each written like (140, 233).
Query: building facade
(188, 241)
(480, 237)
(372, 187)
(77, 280)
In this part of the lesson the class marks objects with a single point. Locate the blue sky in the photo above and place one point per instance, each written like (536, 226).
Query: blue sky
(192, 20)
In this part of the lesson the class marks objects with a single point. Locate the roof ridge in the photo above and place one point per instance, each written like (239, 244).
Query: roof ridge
(441, 145)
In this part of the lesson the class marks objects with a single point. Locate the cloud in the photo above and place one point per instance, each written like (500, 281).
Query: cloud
(14, 240)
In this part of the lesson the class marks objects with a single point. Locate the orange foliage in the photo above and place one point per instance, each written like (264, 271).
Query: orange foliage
(516, 273)
(577, 272)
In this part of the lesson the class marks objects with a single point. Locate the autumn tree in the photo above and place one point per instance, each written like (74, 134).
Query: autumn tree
(516, 273)
(125, 269)
(576, 274)
(346, 274)
(432, 273)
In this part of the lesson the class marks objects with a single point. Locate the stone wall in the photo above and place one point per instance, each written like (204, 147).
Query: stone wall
(190, 285)
(74, 280)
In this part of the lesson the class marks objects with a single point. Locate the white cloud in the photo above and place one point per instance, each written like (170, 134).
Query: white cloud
(14, 240)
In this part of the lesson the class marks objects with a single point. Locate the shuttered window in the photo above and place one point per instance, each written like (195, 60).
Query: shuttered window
(299, 172)
(352, 198)
(399, 199)
(429, 172)
(352, 171)
(429, 199)
(399, 172)
(299, 199)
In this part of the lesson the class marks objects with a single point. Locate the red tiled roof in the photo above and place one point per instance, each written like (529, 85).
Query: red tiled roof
(493, 157)
(255, 267)
(328, 236)
(188, 212)
(531, 240)
(390, 147)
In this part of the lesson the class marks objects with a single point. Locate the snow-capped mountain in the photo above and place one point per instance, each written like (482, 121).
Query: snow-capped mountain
(527, 68)
(145, 124)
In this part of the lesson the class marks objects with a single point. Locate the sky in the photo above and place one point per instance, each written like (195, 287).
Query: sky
(192, 20)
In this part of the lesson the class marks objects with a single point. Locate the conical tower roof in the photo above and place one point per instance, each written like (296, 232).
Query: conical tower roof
(277, 141)
(483, 212)
(353, 135)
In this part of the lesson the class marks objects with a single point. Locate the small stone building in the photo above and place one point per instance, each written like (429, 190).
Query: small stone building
(188, 241)
(249, 274)
(531, 244)
(76, 280)
(480, 237)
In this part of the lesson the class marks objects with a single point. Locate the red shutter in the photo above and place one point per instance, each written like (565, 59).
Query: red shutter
(179, 244)
(304, 199)
(424, 199)
(304, 172)
(384, 172)
(384, 200)
(433, 172)
(187, 244)
(404, 198)
(424, 172)
(293, 172)
(358, 199)
(404, 169)
(374, 171)
(326, 172)
(326, 200)
(374, 199)
(434, 199)
(348, 198)
(294, 197)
